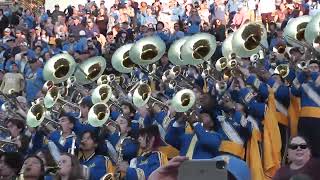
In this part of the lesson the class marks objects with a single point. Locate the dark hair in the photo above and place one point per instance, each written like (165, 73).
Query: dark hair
(14, 160)
(159, 22)
(131, 107)
(76, 169)
(303, 137)
(17, 122)
(42, 173)
(48, 157)
(93, 136)
(70, 117)
(152, 131)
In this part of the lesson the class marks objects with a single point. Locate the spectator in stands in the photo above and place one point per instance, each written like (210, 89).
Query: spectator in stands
(301, 161)
(4, 22)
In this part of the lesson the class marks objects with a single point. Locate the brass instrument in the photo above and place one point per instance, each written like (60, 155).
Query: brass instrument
(183, 100)
(98, 114)
(303, 65)
(221, 64)
(221, 87)
(227, 46)
(282, 70)
(59, 68)
(47, 85)
(121, 61)
(53, 96)
(147, 50)
(249, 39)
(102, 94)
(312, 30)
(294, 32)
(37, 115)
(90, 70)
(174, 52)
(198, 48)
(142, 96)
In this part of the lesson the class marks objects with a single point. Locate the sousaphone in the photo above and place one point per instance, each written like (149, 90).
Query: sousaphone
(249, 39)
(174, 53)
(294, 32)
(147, 50)
(90, 70)
(59, 68)
(198, 48)
(121, 61)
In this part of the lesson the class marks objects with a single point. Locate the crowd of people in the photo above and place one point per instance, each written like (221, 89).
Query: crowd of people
(262, 121)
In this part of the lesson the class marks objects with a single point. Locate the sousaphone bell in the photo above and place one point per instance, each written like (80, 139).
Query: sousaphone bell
(183, 100)
(90, 70)
(98, 114)
(312, 31)
(294, 32)
(249, 39)
(174, 52)
(102, 94)
(121, 61)
(198, 48)
(59, 68)
(147, 50)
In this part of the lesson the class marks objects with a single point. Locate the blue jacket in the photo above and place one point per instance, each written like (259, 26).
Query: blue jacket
(97, 164)
(205, 148)
(63, 144)
(145, 165)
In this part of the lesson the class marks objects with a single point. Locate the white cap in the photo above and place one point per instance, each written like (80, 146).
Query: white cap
(7, 30)
(82, 33)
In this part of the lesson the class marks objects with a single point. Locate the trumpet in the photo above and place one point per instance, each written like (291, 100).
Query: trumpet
(183, 100)
(283, 70)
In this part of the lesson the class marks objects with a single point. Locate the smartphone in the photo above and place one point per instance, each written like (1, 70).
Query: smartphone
(203, 170)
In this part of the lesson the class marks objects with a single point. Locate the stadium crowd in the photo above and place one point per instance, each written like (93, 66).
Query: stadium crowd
(261, 117)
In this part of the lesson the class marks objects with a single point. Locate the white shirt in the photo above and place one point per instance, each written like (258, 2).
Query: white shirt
(267, 6)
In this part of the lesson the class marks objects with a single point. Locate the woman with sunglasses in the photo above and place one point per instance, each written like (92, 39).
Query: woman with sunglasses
(300, 161)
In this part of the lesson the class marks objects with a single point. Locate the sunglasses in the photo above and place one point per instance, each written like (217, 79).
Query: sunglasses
(295, 146)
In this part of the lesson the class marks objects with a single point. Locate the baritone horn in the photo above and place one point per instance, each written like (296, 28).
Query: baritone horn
(121, 61)
(59, 68)
(249, 39)
(198, 48)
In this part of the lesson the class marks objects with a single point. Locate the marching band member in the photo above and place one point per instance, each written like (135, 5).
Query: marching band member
(236, 131)
(82, 125)
(306, 86)
(121, 141)
(202, 144)
(64, 138)
(98, 165)
(16, 128)
(32, 169)
(69, 168)
(150, 158)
